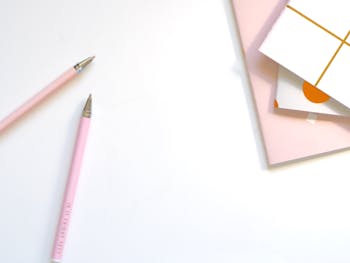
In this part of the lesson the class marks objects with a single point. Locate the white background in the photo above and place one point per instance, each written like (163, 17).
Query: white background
(174, 169)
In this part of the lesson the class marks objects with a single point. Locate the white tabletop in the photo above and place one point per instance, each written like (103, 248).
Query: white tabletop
(174, 169)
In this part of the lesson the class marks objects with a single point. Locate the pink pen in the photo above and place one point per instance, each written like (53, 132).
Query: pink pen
(72, 184)
(44, 93)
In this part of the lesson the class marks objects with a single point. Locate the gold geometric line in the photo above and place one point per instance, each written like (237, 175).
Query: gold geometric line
(343, 41)
(315, 23)
(332, 59)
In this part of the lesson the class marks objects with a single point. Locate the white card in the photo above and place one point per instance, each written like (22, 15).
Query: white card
(293, 93)
(311, 39)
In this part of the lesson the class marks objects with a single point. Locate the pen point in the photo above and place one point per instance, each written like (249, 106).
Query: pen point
(82, 64)
(87, 107)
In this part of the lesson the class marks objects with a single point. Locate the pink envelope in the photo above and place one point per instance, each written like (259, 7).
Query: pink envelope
(287, 135)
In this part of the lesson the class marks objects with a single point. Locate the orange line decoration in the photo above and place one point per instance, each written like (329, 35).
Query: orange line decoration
(343, 40)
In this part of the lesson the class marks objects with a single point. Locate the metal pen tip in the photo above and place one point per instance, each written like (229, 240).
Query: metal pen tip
(87, 107)
(82, 64)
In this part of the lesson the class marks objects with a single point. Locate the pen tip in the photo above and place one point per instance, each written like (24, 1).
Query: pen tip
(87, 107)
(82, 64)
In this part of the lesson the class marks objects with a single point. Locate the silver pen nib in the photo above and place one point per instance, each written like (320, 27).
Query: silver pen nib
(87, 108)
(81, 65)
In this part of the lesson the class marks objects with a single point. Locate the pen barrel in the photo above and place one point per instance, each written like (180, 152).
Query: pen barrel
(39, 97)
(67, 206)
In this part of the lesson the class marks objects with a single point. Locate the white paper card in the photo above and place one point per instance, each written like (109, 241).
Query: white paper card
(311, 39)
(293, 93)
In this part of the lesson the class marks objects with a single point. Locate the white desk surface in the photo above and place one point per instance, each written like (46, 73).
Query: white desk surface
(174, 169)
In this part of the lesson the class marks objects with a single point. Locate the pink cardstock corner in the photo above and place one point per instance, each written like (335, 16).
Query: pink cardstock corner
(287, 135)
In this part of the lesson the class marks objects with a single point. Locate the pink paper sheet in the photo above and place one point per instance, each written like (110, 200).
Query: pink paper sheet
(287, 135)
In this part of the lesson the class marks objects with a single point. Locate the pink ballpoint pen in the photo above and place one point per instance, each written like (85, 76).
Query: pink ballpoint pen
(72, 184)
(44, 93)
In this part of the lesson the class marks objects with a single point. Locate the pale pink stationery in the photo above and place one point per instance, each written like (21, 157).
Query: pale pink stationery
(287, 135)
(72, 184)
(44, 93)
